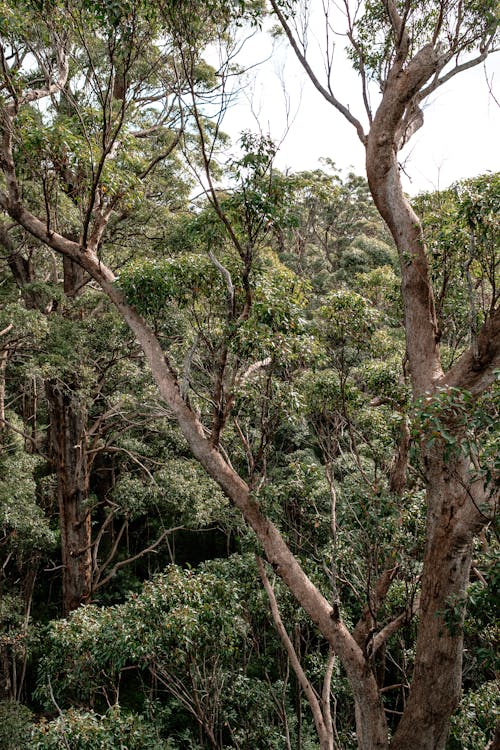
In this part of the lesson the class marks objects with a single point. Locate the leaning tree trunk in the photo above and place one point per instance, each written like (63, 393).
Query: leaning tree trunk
(69, 458)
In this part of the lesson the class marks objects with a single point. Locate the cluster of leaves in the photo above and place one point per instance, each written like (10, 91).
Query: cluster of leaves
(332, 229)
(188, 631)
(86, 730)
(473, 725)
(25, 529)
(15, 725)
(464, 424)
(461, 231)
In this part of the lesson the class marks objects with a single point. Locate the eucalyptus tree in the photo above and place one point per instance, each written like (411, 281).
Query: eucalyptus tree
(77, 393)
(71, 165)
(407, 50)
(189, 635)
(413, 45)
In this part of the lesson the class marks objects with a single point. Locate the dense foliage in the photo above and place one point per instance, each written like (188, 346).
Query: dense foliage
(132, 611)
(190, 658)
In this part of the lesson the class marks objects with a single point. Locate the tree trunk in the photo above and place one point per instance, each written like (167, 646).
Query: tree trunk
(67, 442)
(452, 518)
(437, 679)
(30, 408)
(3, 366)
(74, 277)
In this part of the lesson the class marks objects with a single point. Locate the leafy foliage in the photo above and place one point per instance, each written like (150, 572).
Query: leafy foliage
(86, 730)
(276, 301)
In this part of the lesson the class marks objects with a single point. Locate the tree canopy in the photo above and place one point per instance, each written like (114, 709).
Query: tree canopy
(248, 420)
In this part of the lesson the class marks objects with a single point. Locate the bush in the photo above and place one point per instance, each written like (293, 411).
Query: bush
(86, 730)
(15, 725)
(473, 725)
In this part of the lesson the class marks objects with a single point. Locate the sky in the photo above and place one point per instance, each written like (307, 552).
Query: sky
(460, 137)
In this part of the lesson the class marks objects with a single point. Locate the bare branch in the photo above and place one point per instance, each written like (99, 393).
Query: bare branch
(328, 95)
(64, 735)
(382, 636)
(132, 559)
(309, 691)
(326, 691)
(398, 23)
(253, 368)
(229, 282)
(161, 157)
(376, 598)
(186, 367)
(475, 370)
(97, 540)
(117, 449)
(459, 68)
(25, 436)
(51, 88)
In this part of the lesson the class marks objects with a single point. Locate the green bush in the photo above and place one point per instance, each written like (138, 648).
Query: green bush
(15, 723)
(473, 725)
(86, 730)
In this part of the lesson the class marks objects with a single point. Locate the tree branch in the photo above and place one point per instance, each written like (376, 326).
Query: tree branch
(132, 559)
(476, 372)
(328, 95)
(381, 637)
(309, 691)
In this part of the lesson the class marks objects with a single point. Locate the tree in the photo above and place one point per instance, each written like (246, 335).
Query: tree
(68, 179)
(334, 227)
(409, 64)
(418, 48)
(186, 635)
(74, 414)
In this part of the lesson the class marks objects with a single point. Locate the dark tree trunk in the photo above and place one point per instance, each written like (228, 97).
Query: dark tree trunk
(30, 409)
(67, 440)
(74, 277)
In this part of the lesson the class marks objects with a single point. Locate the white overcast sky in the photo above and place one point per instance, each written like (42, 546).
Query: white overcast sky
(460, 137)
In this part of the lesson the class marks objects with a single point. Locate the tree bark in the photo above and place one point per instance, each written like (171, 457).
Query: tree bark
(437, 678)
(422, 334)
(67, 442)
(452, 499)
(74, 277)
